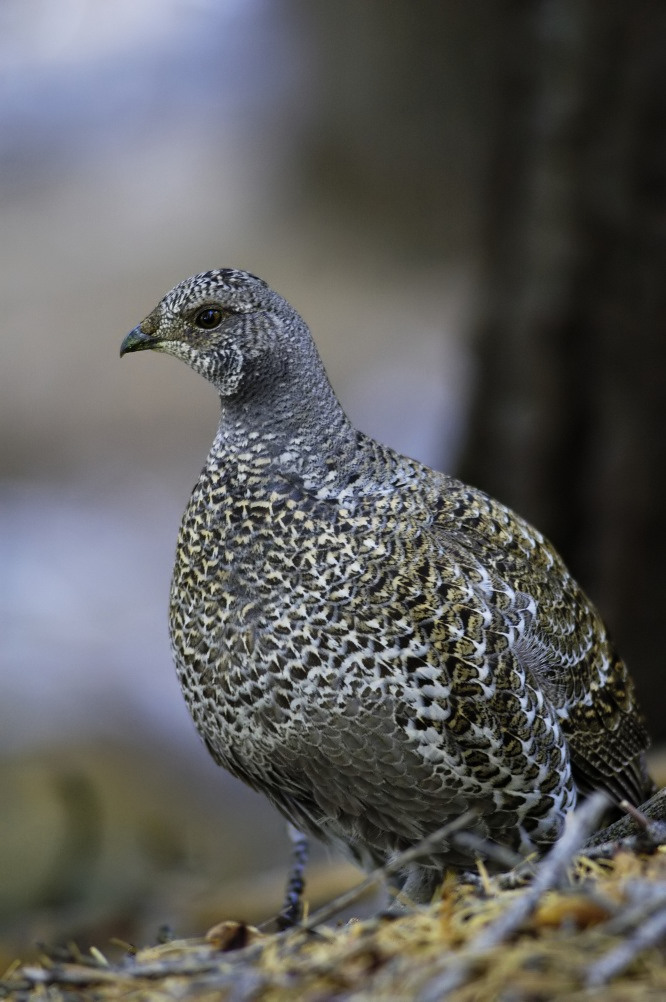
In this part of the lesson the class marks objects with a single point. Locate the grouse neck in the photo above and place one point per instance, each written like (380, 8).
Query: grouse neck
(305, 433)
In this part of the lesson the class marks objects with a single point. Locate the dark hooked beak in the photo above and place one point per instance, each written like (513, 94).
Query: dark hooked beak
(138, 340)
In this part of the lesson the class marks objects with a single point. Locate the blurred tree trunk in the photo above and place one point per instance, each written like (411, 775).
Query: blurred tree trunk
(401, 133)
(569, 420)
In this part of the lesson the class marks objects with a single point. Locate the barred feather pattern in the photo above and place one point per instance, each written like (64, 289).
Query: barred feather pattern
(370, 643)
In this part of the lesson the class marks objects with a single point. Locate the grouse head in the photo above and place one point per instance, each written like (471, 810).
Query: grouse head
(229, 326)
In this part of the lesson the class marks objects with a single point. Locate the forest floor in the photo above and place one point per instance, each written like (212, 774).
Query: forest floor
(586, 922)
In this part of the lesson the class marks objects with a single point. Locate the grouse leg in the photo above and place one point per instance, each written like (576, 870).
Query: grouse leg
(292, 909)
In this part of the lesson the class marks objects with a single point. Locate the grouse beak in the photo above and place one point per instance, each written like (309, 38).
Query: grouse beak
(138, 340)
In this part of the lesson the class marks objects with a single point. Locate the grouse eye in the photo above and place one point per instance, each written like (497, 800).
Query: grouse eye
(208, 318)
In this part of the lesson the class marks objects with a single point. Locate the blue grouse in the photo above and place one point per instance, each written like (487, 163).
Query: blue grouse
(372, 644)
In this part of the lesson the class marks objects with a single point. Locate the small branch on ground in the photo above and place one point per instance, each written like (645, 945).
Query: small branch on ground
(549, 874)
(642, 830)
(648, 934)
(423, 848)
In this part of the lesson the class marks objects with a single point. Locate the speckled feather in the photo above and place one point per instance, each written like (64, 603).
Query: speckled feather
(370, 643)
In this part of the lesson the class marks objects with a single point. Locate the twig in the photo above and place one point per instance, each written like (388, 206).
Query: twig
(73, 974)
(641, 842)
(643, 828)
(615, 961)
(208, 962)
(648, 899)
(500, 854)
(637, 816)
(549, 873)
(422, 848)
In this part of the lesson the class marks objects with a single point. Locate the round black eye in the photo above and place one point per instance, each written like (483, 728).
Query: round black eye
(208, 318)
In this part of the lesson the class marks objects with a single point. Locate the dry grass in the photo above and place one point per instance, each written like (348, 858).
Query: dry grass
(579, 928)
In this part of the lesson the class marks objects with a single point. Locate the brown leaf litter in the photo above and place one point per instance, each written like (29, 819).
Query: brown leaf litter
(581, 924)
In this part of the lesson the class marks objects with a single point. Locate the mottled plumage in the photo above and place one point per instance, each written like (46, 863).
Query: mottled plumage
(370, 643)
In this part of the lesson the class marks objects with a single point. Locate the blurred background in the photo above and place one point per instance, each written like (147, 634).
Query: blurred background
(466, 202)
